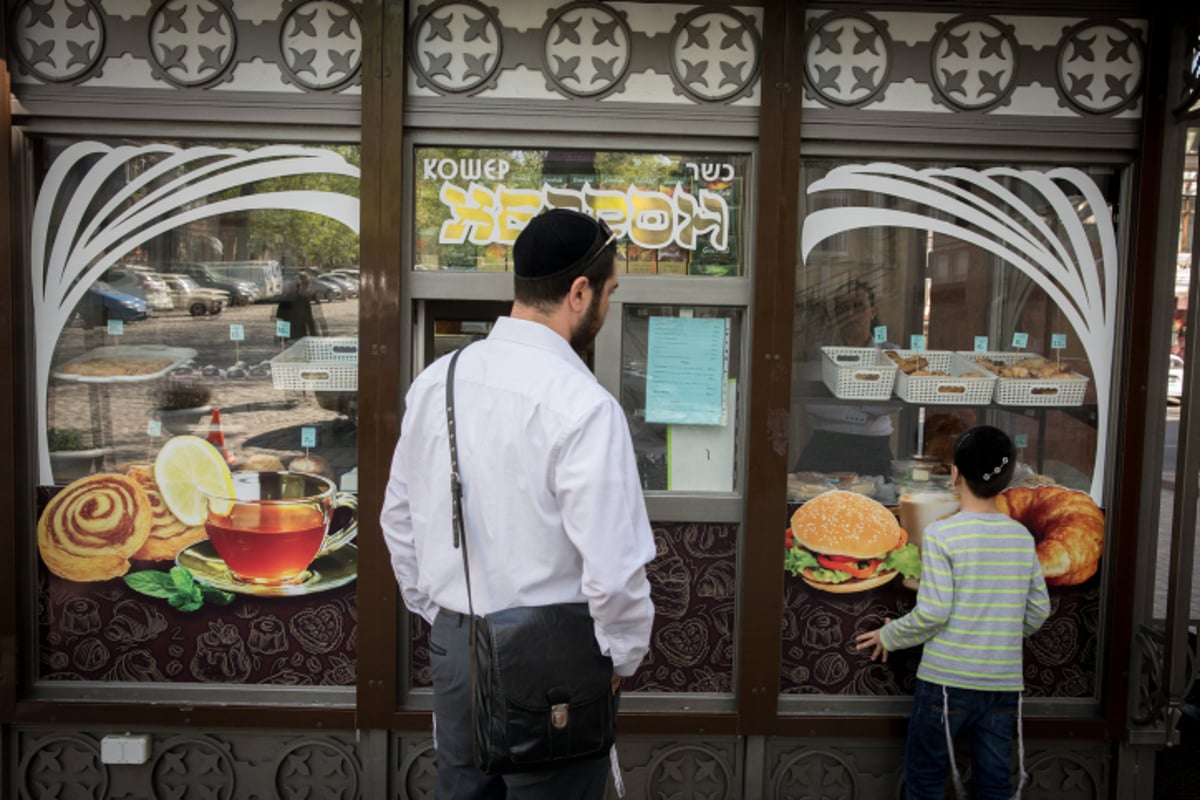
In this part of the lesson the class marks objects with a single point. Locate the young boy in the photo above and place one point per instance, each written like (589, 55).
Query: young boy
(981, 592)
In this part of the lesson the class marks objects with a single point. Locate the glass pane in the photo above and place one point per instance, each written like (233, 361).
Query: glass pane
(199, 307)
(929, 300)
(675, 361)
(675, 214)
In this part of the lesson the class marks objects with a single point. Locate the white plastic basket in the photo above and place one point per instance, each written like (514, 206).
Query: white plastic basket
(1031, 391)
(856, 373)
(318, 364)
(949, 389)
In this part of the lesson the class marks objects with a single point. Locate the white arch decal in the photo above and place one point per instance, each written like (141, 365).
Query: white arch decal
(83, 245)
(990, 215)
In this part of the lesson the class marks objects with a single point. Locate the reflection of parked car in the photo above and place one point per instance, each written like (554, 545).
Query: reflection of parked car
(141, 284)
(320, 290)
(103, 303)
(349, 287)
(196, 300)
(241, 292)
(1175, 380)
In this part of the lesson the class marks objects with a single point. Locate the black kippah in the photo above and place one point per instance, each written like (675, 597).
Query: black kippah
(555, 242)
(983, 452)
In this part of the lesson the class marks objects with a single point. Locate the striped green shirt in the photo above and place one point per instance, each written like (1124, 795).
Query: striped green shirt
(981, 593)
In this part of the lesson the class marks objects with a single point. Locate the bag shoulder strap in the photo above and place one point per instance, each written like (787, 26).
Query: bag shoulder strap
(456, 506)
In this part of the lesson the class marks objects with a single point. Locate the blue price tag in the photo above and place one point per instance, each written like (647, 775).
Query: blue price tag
(1020, 340)
(116, 327)
(880, 332)
(917, 343)
(237, 333)
(981, 344)
(308, 437)
(283, 329)
(154, 427)
(1058, 341)
(1021, 441)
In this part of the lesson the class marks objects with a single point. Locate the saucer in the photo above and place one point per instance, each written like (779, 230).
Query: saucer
(325, 572)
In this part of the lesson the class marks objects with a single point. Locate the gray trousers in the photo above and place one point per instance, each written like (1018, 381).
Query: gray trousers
(457, 777)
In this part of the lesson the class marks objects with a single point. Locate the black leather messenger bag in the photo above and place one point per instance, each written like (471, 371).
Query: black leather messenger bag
(541, 690)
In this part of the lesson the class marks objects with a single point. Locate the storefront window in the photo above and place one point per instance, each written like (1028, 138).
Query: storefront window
(196, 307)
(994, 291)
(681, 388)
(674, 214)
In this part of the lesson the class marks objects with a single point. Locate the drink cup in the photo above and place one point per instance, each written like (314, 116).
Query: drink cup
(919, 509)
(276, 524)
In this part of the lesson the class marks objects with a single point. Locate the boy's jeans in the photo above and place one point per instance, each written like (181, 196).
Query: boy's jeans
(985, 717)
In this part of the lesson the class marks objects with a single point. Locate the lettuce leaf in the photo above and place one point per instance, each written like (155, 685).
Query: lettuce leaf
(797, 559)
(906, 560)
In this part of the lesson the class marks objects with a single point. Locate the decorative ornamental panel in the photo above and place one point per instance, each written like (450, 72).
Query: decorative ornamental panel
(585, 50)
(886, 60)
(314, 45)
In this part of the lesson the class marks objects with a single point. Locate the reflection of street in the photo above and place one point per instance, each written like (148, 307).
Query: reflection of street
(1166, 513)
(256, 417)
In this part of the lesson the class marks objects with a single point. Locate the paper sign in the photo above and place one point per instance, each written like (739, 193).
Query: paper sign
(154, 427)
(686, 367)
(1021, 441)
(237, 333)
(116, 327)
(283, 329)
(700, 457)
(1020, 340)
(308, 437)
(880, 333)
(917, 343)
(1058, 341)
(981, 344)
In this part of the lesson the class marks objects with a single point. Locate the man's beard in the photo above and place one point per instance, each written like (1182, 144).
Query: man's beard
(584, 333)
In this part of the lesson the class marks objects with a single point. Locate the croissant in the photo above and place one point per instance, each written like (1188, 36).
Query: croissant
(1067, 525)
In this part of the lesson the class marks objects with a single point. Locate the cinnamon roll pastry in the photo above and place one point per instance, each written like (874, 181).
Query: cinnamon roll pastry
(167, 534)
(91, 527)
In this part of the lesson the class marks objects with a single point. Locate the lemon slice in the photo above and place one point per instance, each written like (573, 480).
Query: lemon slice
(186, 467)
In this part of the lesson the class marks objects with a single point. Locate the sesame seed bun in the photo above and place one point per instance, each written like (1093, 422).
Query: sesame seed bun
(841, 523)
(853, 585)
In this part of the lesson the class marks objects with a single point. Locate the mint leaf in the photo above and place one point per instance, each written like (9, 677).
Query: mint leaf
(151, 582)
(216, 596)
(182, 578)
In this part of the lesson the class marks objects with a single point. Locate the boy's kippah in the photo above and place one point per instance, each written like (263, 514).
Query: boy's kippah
(554, 242)
(982, 453)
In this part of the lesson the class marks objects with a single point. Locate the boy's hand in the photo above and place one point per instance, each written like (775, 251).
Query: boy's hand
(870, 640)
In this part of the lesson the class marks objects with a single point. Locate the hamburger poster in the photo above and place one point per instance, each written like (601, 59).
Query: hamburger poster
(850, 566)
(843, 542)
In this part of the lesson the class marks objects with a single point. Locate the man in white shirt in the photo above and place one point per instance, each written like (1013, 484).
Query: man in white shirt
(552, 502)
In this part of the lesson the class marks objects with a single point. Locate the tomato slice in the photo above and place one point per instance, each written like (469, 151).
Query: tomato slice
(856, 569)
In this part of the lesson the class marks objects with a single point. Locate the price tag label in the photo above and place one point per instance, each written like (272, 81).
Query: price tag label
(308, 437)
(283, 329)
(116, 327)
(917, 342)
(1020, 340)
(1021, 441)
(981, 344)
(237, 333)
(880, 333)
(1058, 341)
(154, 427)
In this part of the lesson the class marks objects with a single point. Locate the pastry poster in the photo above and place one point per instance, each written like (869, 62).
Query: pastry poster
(180, 569)
(834, 590)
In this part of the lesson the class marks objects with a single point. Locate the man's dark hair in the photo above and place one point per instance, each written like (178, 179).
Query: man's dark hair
(986, 459)
(555, 249)
(544, 292)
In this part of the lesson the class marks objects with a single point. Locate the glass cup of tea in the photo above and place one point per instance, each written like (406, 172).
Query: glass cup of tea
(276, 524)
